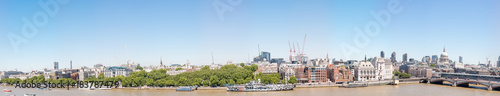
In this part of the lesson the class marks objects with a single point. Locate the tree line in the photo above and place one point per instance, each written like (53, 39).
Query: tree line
(226, 75)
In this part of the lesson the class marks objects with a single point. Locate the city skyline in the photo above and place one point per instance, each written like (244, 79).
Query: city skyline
(110, 32)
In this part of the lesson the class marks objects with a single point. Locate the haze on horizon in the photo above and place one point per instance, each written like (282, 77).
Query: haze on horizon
(93, 31)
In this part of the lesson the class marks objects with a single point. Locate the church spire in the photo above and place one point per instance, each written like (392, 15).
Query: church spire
(444, 49)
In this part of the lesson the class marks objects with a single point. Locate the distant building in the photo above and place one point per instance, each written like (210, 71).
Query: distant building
(434, 59)
(460, 59)
(393, 57)
(6, 74)
(116, 71)
(382, 54)
(56, 65)
(421, 72)
(405, 58)
(266, 56)
(444, 60)
(498, 62)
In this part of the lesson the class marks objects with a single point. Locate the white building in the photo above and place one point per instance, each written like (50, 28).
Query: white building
(116, 71)
(366, 72)
(383, 67)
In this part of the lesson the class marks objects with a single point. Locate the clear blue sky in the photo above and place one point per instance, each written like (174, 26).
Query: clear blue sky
(89, 32)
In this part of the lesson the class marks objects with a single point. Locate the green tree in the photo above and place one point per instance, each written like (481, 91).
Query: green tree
(242, 64)
(150, 82)
(222, 82)
(101, 76)
(292, 80)
(432, 65)
(214, 80)
(254, 67)
(205, 68)
(138, 68)
(177, 69)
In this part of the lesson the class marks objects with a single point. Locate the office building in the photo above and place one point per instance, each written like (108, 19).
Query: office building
(460, 59)
(116, 71)
(393, 57)
(382, 54)
(56, 65)
(405, 58)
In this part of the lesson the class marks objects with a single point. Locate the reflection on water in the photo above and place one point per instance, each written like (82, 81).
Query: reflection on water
(385, 90)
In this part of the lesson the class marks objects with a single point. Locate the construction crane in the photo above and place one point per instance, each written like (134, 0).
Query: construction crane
(290, 50)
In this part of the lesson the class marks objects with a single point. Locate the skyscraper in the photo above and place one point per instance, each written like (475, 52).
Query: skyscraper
(393, 57)
(266, 55)
(56, 65)
(70, 64)
(434, 58)
(498, 62)
(460, 59)
(405, 58)
(382, 54)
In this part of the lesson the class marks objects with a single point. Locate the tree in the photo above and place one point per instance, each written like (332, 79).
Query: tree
(101, 76)
(222, 82)
(242, 64)
(205, 68)
(177, 69)
(138, 68)
(432, 65)
(254, 67)
(150, 82)
(214, 80)
(292, 80)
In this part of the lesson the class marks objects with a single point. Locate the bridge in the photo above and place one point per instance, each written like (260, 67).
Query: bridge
(463, 80)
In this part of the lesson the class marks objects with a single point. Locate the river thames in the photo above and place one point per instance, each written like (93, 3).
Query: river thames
(384, 90)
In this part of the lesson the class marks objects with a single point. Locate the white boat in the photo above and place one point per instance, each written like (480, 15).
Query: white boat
(104, 88)
(29, 94)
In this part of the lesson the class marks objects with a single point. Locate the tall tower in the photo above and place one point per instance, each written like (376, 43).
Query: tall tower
(498, 62)
(460, 59)
(405, 58)
(56, 65)
(161, 62)
(382, 54)
(393, 57)
(70, 64)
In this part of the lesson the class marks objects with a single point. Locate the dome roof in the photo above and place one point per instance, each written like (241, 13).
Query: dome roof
(444, 54)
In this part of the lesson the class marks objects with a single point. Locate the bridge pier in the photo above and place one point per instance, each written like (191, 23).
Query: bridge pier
(490, 88)
(454, 84)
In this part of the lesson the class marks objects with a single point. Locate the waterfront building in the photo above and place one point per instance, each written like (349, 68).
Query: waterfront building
(6, 74)
(365, 72)
(317, 74)
(383, 67)
(117, 71)
(339, 74)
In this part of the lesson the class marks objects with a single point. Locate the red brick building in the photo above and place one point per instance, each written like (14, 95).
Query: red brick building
(339, 74)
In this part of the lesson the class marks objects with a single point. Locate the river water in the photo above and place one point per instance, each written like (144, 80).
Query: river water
(384, 90)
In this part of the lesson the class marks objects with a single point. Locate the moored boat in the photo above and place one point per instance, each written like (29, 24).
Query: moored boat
(184, 88)
(7, 90)
(258, 87)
